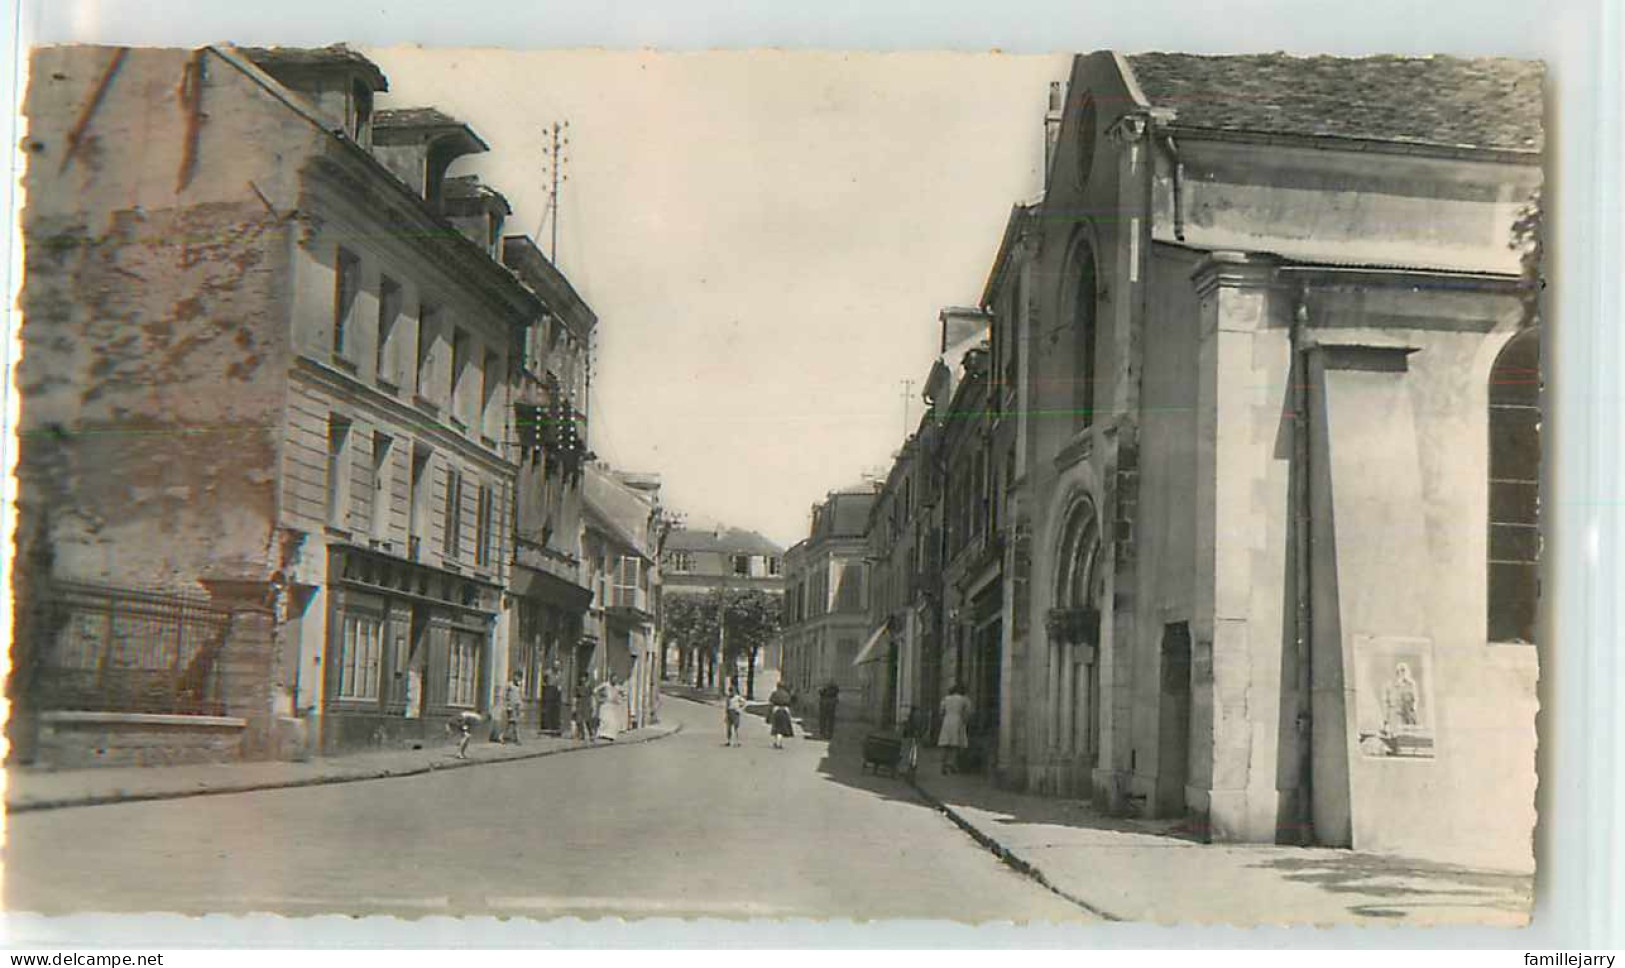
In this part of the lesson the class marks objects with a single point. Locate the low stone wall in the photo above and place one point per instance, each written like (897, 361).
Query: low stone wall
(76, 740)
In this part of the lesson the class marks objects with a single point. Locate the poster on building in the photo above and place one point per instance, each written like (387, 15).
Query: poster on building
(1394, 692)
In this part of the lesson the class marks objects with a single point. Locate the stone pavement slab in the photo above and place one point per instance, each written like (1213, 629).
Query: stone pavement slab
(1155, 871)
(30, 789)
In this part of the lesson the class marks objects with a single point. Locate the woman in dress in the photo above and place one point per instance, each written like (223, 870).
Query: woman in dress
(778, 717)
(612, 709)
(954, 737)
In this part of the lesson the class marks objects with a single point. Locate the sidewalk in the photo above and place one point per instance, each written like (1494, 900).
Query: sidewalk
(28, 789)
(1149, 871)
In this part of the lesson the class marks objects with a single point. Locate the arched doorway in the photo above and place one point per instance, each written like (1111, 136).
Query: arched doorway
(1078, 716)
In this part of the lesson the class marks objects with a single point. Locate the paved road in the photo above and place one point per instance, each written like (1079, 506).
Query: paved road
(682, 826)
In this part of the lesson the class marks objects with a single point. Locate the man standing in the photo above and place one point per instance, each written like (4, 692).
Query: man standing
(827, 698)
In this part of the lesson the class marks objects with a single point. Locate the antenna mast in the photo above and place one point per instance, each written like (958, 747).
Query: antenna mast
(555, 161)
(908, 397)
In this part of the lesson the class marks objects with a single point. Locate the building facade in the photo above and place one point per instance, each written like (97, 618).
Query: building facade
(1278, 423)
(622, 533)
(826, 602)
(551, 591)
(300, 352)
(706, 561)
(903, 551)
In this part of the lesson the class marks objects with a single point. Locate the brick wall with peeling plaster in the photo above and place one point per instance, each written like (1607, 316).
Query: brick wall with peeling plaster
(157, 263)
(151, 385)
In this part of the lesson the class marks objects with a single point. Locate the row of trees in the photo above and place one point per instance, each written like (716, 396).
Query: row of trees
(714, 631)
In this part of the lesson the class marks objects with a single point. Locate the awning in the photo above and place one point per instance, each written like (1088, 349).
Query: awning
(865, 654)
(543, 586)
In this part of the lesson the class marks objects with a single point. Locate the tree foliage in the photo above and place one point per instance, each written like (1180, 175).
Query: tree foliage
(753, 620)
(692, 622)
(1529, 242)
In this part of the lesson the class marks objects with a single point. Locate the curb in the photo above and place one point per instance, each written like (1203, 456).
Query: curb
(1008, 856)
(387, 774)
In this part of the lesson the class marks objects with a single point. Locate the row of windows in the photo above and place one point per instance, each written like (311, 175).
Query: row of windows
(810, 597)
(361, 663)
(339, 470)
(471, 390)
(682, 562)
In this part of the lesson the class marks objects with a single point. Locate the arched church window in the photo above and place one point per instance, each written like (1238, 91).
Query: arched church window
(1514, 490)
(1083, 334)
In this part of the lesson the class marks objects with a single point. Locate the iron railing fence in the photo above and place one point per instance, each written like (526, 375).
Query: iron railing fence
(129, 650)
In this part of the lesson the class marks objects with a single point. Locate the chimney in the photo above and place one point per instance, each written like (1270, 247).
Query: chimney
(1052, 127)
(961, 324)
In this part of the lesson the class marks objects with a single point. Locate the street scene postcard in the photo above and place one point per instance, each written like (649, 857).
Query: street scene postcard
(765, 485)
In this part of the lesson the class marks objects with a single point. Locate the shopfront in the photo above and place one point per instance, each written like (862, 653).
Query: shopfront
(547, 629)
(408, 647)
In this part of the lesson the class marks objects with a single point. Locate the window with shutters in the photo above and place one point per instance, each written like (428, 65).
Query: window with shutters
(338, 471)
(428, 332)
(347, 287)
(628, 570)
(454, 515)
(382, 445)
(389, 311)
(485, 541)
(460, 379)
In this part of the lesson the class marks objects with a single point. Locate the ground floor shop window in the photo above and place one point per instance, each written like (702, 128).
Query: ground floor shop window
(463, 669)
(362, 657)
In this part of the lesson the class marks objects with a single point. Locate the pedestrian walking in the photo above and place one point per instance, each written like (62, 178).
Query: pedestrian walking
(462, 726)
(827, 698)
(513, 702)
(954, 737)
(778, 717)
(585, 718)
(734, 715)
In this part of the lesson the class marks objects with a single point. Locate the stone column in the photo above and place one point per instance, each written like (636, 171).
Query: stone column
(248, 658)
(1014, 711)
(1240, 623)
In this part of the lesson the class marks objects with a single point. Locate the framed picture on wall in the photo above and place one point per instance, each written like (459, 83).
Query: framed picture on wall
(1394, 693)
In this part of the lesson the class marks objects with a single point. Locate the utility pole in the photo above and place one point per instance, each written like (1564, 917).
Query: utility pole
(908, 397)
(556, 158)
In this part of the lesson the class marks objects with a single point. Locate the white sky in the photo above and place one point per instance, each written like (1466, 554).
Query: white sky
(766, 239)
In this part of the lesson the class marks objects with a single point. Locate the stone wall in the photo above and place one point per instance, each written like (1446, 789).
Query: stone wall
(82, 740)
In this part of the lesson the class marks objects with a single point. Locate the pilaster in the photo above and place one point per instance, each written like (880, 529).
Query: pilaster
(1239, 622)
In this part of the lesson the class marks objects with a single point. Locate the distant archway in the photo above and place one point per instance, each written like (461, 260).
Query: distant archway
(1074, 631)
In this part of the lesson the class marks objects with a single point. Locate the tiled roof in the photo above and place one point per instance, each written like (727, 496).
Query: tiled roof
(846, 514)
(273, 59)
(738, 541)
(1492, 103)
(622, 512)
(469, 187)
(412, 118)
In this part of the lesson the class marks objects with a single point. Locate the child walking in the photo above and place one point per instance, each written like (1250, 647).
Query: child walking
(735, 715)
